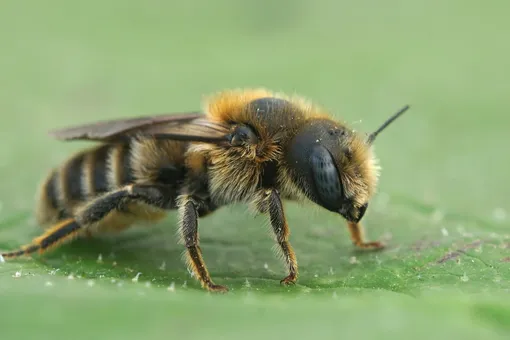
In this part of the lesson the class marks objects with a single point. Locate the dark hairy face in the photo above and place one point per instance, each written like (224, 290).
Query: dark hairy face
(316, 155)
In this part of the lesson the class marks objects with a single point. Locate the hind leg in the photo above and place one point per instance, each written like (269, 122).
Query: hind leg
(96, 212)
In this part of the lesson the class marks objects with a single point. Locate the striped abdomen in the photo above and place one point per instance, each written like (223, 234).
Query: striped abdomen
(85, 175)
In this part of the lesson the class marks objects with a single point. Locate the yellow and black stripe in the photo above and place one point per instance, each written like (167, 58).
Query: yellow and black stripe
(63, 232)
(83, 177)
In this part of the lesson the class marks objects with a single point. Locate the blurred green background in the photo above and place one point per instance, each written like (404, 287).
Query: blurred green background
(442, 204)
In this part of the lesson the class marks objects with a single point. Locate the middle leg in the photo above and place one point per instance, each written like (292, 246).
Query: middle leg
(190, 209)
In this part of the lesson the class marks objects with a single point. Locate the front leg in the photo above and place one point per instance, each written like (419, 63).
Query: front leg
(358, 237)
(189, 210)
(282, 232)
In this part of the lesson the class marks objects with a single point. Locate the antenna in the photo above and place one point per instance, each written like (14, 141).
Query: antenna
(374, 134)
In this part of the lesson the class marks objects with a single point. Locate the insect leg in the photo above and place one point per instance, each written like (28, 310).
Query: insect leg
(188, 227)
(94, 212)
(282, 232)
(357, 233)
(61, 232)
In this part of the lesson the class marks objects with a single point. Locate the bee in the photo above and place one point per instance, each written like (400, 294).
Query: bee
(253, 147)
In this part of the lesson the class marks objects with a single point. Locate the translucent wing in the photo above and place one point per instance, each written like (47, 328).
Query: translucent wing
(192, 126)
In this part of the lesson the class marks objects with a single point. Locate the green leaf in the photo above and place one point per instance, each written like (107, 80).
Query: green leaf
(442, 205)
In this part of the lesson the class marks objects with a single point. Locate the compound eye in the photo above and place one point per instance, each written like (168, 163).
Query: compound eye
(326, 178)
(243, 135)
